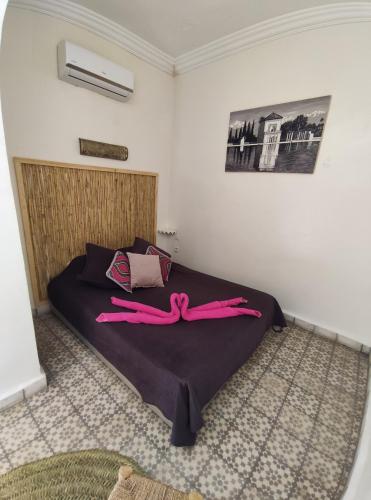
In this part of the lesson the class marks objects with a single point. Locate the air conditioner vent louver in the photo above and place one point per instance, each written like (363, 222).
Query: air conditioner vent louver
(83, 68)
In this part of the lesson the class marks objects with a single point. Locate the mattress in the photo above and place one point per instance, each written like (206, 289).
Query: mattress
(177, 368)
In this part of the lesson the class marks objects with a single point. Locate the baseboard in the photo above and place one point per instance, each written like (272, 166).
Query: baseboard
(43, 308)
(35, 385)
(324, 332)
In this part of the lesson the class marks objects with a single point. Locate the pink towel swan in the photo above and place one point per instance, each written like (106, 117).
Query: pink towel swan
(179, 303)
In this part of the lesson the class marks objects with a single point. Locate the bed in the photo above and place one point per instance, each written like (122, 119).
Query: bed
(176, 368)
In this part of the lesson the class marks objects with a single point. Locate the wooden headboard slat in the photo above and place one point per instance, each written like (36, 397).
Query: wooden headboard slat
(63, 206)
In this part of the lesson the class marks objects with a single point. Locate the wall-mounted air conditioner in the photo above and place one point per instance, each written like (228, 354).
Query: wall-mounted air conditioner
(83, 68)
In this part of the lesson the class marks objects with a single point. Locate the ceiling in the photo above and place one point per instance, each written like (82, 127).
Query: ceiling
(178, 26)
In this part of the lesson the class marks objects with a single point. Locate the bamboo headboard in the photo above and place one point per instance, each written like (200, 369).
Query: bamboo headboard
(63, 206)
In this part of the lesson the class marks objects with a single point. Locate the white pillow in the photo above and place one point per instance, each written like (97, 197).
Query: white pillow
(145, 270)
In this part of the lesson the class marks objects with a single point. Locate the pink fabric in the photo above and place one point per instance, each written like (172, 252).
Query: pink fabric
(179, 303)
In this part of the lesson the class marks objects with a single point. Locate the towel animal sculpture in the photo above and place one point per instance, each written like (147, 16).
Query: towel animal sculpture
(179, 303)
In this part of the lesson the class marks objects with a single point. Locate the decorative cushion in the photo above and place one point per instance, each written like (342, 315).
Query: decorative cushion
(145, 270)
(131, 486)
(165, 261)
(140, 246)
(119, 271)
(97, 262)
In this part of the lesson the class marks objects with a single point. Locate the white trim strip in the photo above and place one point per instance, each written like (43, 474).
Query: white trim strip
(272, 29)
(101, 26)
(277, 27)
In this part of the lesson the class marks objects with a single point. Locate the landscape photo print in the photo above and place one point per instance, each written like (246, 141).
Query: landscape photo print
(279, 138)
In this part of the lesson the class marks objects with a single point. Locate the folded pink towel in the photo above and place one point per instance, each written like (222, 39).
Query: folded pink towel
(179, 303)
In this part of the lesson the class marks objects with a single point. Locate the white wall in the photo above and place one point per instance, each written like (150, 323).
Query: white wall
(304, 238)
(19, 364)
(44, 117)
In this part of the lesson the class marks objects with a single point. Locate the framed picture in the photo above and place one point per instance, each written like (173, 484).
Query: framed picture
(279, 138)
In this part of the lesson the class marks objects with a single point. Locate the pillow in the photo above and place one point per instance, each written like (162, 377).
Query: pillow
(131, 486)
(119, 271)
(140, 246)
(165, 261)
(98, 260)
(145, 270)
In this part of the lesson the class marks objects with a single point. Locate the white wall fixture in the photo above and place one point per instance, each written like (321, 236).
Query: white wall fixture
(84, 68)
(167, 231)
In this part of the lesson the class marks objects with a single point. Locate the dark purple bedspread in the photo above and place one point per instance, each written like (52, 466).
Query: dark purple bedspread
(177, 368)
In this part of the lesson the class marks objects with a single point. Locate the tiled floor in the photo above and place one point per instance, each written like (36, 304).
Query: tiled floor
(285, 426)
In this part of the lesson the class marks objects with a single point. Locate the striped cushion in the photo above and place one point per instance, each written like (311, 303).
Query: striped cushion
(119, 271)
(165, 261)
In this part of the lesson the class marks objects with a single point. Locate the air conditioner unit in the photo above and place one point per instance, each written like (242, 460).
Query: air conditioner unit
(83, 68)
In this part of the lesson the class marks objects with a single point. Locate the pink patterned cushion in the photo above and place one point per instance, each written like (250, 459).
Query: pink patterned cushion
(165, 261)
(119, 271)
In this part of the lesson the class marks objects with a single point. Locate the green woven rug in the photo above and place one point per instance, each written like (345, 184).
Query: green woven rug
(81, 475)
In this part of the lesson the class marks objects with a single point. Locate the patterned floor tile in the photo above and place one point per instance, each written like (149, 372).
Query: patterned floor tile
(284, 368)
(217, 482)
(319, 468)
(19, 433)
(296, 344)
(45, 396)
(274, 338)
(286, 447)
(5, 465)
(266, 402)
(303, 401)
(190, 460)
(295, 422)
(286, 354)
(227, 403)
(60, 362)
(11, 415)
(99, 409)
(314, 369)
(88, 442)
(239, 451)
(72, 376)
(310, 384)
(274, 383)
(34, 450)
(81, 391)
(261, 439)
(158, 432)
(50, 415)
(214, 433)
(167, 473)
(253, 370)
(336, 418)
(261, 357)
(272, 477)
(142, 451)
(253, 424)
(105, 377)
(241, 385)
(299, 333)
(67, 434)
(329, 442)
(308, 490)
(337, 397)
(116, 432)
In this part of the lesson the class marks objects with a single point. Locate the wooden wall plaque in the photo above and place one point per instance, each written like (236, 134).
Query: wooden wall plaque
(103, 150)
